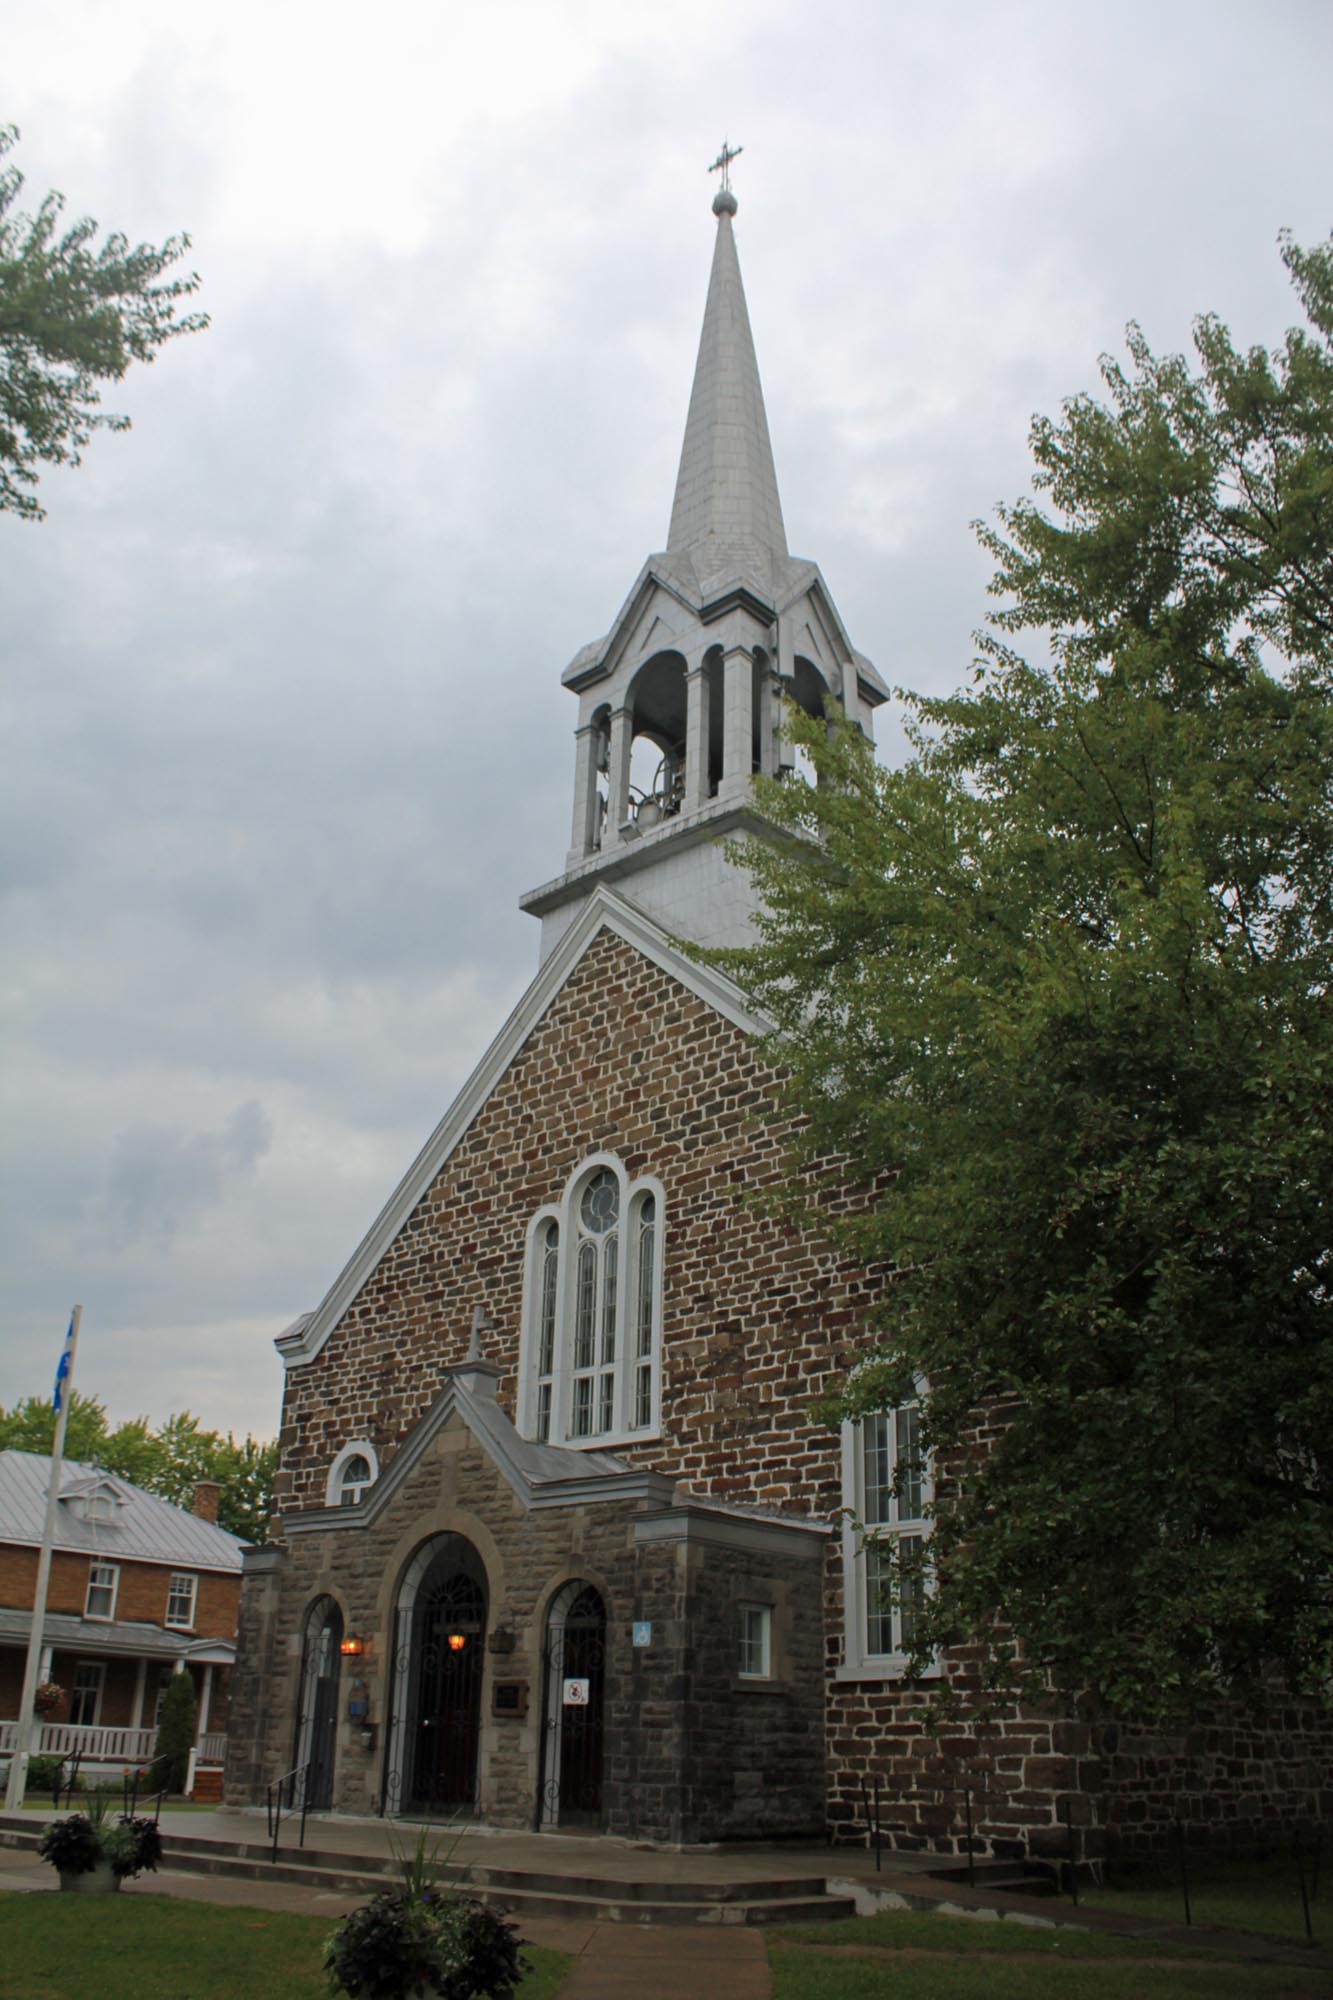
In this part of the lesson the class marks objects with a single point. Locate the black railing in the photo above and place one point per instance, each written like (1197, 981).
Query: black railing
(293, 1782)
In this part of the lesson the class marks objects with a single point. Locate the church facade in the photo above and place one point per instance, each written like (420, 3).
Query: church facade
(559, 1541)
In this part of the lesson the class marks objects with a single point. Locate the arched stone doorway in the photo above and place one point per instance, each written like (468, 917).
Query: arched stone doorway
(573, 1709)
(317, 1702)
(435, 1683)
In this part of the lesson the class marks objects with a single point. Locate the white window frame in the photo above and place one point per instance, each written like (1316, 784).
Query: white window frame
(547, 1409)
(341, 1493)
(94, 1673)
(102, 1576)
(754, 1642)
(182, 1583)
(860, 1662)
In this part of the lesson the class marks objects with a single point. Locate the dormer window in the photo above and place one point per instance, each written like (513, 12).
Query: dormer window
(592, 1310)
(352, 1474)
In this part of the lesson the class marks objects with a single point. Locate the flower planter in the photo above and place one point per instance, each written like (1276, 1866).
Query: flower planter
(99, 1880)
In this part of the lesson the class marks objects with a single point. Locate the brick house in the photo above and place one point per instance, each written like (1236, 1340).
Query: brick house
(139, 1590)
(558, 1540)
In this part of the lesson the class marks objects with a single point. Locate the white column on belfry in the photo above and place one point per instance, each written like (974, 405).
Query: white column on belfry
(696, 735)
(617, 805)
(768, 719)
(737, 722)
(583, 834)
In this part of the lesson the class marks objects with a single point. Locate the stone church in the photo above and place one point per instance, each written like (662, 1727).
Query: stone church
(559, 1543)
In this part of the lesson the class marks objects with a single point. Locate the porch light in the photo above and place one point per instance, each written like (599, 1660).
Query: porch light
(457, 1641)
(352, 1646)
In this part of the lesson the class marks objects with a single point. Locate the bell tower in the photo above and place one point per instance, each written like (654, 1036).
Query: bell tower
(680, 702)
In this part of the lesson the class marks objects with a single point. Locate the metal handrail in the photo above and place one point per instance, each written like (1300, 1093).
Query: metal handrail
(288, 1778)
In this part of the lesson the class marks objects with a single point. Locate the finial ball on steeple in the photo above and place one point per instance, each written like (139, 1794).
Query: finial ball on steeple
(724, 201)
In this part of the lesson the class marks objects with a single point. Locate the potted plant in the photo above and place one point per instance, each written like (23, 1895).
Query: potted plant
(424, 1940)
(92, 1852)
(47, 1697)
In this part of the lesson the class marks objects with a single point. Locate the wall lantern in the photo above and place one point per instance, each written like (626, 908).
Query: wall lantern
(352, 1646)
(457, 1641)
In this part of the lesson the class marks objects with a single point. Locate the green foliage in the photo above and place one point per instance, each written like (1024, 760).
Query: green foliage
(170, 1461)
(175, 1734)
(74, 313)
(76, 1844)
(1056, 994)
(400, 1943)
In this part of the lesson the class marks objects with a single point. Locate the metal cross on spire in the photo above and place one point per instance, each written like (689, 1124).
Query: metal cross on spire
(722, 164)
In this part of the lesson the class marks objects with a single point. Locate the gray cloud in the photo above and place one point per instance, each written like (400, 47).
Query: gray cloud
(161, 1180)
(285, 735)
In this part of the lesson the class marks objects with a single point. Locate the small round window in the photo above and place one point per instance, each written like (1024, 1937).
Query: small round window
(599, 1210)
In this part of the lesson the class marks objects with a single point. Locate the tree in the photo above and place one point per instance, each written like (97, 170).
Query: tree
(170, 1462)
(74, 313)
(1055, 993)
(175, 1734)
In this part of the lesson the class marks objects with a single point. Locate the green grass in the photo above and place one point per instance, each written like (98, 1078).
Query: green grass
(145, 1947)
(919, 1930)
(1259, 1895)
(838, 1976)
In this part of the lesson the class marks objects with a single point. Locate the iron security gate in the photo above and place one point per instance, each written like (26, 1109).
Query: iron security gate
(435, 1722)
(573, 1710)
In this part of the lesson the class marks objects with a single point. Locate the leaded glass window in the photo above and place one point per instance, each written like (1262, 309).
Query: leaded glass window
(592, 1313)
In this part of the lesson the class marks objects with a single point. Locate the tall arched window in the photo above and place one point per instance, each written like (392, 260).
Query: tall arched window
(592, 1314)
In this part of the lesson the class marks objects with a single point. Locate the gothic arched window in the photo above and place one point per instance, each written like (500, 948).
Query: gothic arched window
(592, 1310)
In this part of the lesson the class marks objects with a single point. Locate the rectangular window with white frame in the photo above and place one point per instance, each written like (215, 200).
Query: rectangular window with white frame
(754, 1661)
(85, 1694)
(103, 1583)
(181, 1592)
(886, 1493)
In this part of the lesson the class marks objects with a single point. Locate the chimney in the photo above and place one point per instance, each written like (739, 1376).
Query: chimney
(205, 1503)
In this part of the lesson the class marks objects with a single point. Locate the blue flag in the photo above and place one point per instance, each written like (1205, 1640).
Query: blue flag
(66, 1356)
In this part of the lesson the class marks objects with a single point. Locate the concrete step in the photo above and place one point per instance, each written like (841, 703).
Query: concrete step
(522, 1892)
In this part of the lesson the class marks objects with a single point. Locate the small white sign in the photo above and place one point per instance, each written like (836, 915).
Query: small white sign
(576, 1694)
(643, 1631)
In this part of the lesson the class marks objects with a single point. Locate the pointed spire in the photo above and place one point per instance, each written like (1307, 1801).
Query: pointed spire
(726, 489)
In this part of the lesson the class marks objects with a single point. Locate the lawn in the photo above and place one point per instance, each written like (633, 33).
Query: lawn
(912, 1955)
(145, 1947)
(1240, 1895)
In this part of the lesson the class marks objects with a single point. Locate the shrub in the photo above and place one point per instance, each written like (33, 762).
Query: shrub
(398, 1944)
(175, 1734)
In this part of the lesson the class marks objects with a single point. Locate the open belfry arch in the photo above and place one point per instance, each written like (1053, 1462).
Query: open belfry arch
(549, 1475)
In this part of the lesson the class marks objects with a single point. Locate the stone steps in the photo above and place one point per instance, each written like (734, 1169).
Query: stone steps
(521, 1892)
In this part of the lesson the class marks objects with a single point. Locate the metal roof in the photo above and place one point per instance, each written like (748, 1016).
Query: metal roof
(93, 1637)
(143, 1528)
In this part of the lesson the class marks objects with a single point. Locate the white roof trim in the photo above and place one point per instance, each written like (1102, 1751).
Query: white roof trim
(604, 911)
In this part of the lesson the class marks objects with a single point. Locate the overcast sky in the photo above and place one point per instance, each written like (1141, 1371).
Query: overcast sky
(284, 731)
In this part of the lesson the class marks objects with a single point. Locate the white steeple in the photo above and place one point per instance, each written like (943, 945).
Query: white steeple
(726, 489)
(679, 704)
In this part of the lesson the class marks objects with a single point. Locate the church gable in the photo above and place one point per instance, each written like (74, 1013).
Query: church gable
(625, 1062)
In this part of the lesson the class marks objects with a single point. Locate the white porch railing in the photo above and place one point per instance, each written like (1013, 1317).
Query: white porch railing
(98, 1745)
(213, 1747)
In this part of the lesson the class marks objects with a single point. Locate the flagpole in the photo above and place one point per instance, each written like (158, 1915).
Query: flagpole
(27, 1722)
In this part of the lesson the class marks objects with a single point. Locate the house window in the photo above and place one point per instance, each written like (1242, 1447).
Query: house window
(180, 1599)
(101, 1599)
(352, 1474)
(754, 1659)
(592, 1322)
(886, 1493)
(85, 1695)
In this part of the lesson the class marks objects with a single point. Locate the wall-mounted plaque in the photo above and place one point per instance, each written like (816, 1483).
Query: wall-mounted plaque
(509, 1698)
